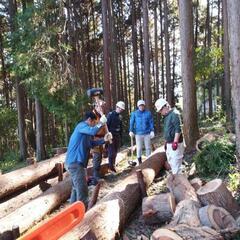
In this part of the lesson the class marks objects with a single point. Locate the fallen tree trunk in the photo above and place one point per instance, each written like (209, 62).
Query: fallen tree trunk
(183, 232)
(106, 220)
(181, 188)
(24, 178)
(216, 193)
(36, 209)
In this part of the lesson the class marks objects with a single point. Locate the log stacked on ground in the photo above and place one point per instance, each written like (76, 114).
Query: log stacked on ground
(158, 208)
(216, 217)
(183, 232)
(181, 188)
(216, 193)
(106, 219)
(36, 209)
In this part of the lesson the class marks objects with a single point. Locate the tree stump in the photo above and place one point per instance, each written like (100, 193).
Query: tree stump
(181, 188)
(187, 213)
(216, 217)
(158, 208)
(185, 232)
(216, 193)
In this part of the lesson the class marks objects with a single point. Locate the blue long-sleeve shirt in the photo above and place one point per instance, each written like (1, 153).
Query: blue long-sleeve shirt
(81, 142)
(141, 122)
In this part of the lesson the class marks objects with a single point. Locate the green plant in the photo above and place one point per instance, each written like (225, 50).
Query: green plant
(215, 159)
(234, 179)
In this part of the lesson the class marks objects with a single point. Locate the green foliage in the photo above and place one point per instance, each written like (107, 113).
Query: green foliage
(10, 161)
(234, 179)
(8, 129)
(215, 158)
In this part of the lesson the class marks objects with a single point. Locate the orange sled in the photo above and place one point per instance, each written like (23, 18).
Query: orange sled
(59, 224)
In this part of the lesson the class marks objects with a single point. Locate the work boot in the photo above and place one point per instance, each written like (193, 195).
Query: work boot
(132, 163)
(139, 160)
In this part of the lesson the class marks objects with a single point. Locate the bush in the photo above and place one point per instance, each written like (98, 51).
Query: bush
(215, 158)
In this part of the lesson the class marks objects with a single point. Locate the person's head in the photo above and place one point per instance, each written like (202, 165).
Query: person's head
(120, 106)
(100, 106)
(162, 106)
(141, 105)
(90, 118)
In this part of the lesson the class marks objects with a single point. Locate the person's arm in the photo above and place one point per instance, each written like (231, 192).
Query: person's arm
(151, 122)
(177, 134)
(92, 131)
(109, 120)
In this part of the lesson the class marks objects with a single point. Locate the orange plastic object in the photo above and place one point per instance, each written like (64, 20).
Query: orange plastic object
(59, 224)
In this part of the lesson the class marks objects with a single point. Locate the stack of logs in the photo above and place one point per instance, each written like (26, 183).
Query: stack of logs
(192, 211)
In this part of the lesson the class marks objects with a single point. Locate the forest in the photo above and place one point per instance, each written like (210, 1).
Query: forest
(185, 51)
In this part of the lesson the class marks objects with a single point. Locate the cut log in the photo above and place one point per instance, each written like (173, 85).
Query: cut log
(36, 209)
(187, 213)
(27, 177)
(196, 183)
(184, 232)
(216, 193)
(206, 139)
(21, 199)
(216, 217)
(181, 188)
(141, 183)
(107, 218)
(158, 208)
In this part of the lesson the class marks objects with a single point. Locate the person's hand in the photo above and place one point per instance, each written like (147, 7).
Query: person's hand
(103, 119)
(108, 137)
(165, 146)
(152, 135)
(174, 146)
(131, 134)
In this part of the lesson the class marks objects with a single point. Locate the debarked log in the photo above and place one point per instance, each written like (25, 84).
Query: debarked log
(107, 219)
(36, 209)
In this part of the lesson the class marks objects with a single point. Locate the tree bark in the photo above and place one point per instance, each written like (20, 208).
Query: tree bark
(190, 124)
(216, 193)
(119, 204)
(158, 208)
(181, 188)
(234, 40)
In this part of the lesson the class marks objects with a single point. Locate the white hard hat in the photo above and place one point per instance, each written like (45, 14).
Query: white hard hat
(140, 102)
(121, 105)
(160, 103)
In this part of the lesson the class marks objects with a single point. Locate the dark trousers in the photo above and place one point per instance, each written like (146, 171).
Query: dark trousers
(97, 160)
(112, 151)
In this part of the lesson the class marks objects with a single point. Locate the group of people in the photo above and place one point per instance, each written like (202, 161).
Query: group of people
(97, 129)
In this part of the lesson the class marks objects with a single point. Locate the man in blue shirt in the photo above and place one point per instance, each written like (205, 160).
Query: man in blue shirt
(141, 126)
(78, 154)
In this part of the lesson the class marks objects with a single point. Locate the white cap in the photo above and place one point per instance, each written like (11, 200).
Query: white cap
(160, 103)
(140, 102)
(121, 105)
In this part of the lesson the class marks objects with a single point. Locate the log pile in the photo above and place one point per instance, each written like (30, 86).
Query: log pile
(202, 212)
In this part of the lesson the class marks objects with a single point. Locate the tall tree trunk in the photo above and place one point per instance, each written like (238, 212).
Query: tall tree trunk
(190, 124)
(170, 84)
(226, 83)
(196, 24)
(19, 90)
(135, 53)
(234, 48)
(147, 80)
(106, 61)
(40, 150)
(162, 51)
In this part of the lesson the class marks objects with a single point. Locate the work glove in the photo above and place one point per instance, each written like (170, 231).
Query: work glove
(103, 119)
(165, 146)
(152, 135)
(131, 134)
(174, 146)
(108, 137)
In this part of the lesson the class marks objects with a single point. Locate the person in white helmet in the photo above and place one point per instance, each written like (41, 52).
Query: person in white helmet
(174, 145)
(141, 126)
(114, 123)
